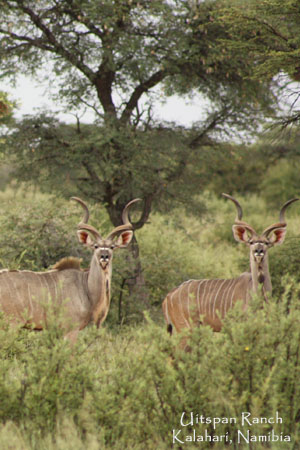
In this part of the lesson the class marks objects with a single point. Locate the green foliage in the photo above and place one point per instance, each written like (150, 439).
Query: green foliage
(129, 390)
(266, 33)
(110, 56)
(94, 157)
(40, 380)
(266, 29)
(127, 386)
(38, 232)
(285, 261)
(232, 168)
(138, 45)
(281, 182)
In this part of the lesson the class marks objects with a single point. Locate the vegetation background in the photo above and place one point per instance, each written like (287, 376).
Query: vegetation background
(127, 384)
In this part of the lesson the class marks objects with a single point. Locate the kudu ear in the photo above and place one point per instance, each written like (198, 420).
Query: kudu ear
(84, 238)
(124, 239)
(240, 234)
(277, 236)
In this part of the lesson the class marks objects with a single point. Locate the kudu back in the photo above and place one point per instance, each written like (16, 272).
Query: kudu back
(84, 295)
(207, 301)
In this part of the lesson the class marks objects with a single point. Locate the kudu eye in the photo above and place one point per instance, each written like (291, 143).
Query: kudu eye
(96, 246)
(112, 247)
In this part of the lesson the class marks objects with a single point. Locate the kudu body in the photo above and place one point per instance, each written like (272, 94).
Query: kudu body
(207, 301)
(83, 295)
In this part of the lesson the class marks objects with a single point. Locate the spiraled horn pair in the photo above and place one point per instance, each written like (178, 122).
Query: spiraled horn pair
(269, 229)
(83, 225)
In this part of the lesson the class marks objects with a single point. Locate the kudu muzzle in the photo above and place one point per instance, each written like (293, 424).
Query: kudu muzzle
(259, 254)
(104, 258)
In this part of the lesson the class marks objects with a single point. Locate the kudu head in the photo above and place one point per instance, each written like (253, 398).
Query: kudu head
(259, 243)
(103, 249)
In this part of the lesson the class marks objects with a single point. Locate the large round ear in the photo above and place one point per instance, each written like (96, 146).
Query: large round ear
(84, 238)
(124, 239)
(240, 234)
(277, 236)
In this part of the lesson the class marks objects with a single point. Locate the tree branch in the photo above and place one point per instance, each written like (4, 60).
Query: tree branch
(141, 89)
(80, 17)
(272, 29)
(55, 46)
(103, 82)
(146, 211)
(216, 119)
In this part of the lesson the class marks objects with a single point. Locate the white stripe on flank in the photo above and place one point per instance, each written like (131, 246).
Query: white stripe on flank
(40, 295)
(55, 289)
(213, 282)
(30, 298)
(167, 313)
(11, 294)
(188, 301)
(48, 288)
(210, 285)
(231, 300)
(188, 295)
(229, 287)
(203, 297)
(17, 292)
(198, 302)
(30, 306)
(180, 302)
(216, 296)
(171, 298)
(222, 298)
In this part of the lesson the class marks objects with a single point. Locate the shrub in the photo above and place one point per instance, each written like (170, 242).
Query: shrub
(37, 232)
(281, 182)
(129, 389)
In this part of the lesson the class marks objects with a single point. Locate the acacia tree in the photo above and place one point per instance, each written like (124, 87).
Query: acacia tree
(109, 56)
(267, 33)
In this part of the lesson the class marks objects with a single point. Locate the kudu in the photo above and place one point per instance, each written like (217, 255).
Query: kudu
(83, 295)
(207, 301)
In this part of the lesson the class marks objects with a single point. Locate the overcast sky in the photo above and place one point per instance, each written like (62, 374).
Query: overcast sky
(30, 96)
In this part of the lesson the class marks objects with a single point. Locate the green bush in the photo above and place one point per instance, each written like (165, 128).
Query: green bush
(37, 232)
(230, 168)
(281, 182)
(130, 389)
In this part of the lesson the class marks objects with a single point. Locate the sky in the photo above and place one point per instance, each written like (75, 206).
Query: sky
(31, 96)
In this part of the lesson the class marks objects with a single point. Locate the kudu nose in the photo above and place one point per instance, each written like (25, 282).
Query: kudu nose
(104, 258)
(259, 255)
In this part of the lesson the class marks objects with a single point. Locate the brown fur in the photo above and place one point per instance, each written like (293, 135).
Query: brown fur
(69, 262)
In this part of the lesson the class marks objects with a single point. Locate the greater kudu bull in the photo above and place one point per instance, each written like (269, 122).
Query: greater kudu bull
(207, 301)
(83, 295)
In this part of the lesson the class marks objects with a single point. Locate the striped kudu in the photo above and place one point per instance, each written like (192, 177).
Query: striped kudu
(84, 294)
(207, 301)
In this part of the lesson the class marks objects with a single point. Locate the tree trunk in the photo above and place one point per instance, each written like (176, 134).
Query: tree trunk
(138, 291)
(134, 277)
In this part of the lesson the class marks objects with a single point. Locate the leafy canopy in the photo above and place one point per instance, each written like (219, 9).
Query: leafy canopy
(107, 54)
(268, 33)
(113, 57)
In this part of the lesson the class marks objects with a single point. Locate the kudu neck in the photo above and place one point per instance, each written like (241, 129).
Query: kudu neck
(99, 282)
(260, 275)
